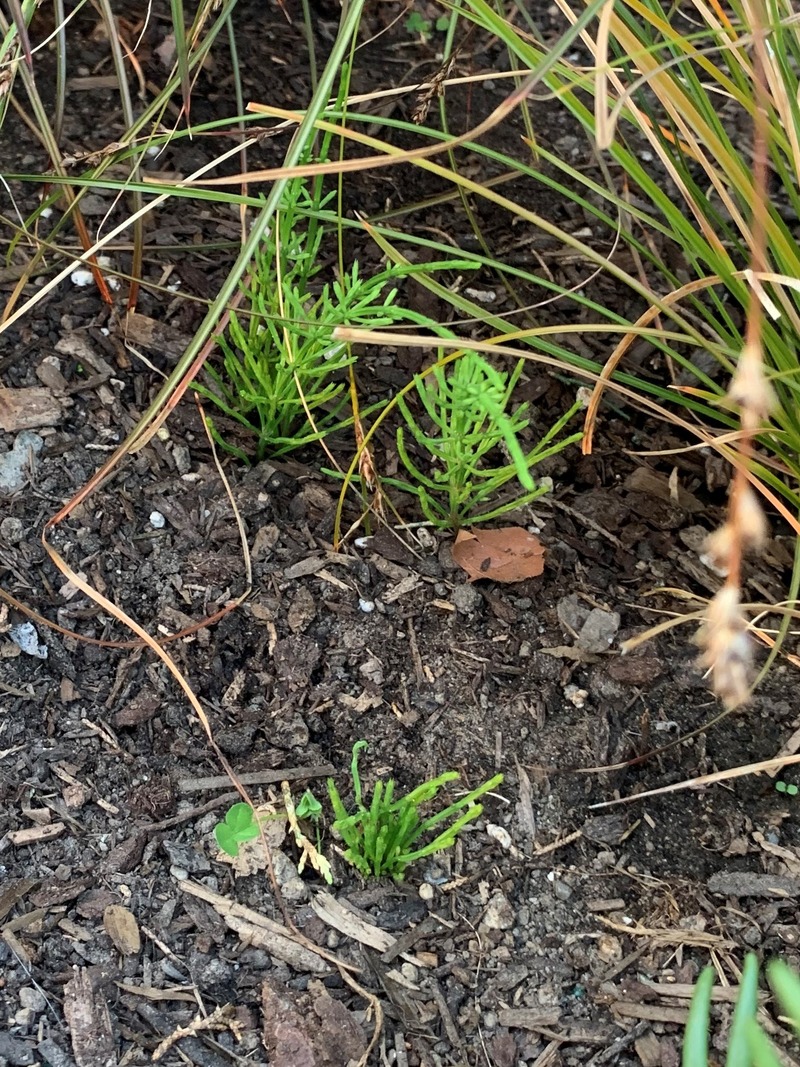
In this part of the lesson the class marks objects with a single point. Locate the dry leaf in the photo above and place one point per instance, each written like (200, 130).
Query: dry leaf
(122, 928)
(508, 555)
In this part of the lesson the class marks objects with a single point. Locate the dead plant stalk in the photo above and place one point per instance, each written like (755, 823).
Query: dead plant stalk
(724, 637)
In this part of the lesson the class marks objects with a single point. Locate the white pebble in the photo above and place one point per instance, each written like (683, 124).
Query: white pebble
(367, 606)
(499, 834)
(81, 277)
(25, 636)
(157, 520)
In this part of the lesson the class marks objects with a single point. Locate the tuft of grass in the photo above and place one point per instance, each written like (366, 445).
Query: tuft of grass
(385, 837)
(469, 411)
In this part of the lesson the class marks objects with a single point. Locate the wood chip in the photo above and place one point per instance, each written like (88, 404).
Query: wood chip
(339, 916)
(122, 928)
(657, 1013)
(543, 1023)
(150, 333)
(256, 929)
(740, 884)
(152, 993)
(303, 568)
(403, 588)
(288, 774)
(14, 891)
(606, 904)
(87, 1015)
(31, 834)
(28, 409)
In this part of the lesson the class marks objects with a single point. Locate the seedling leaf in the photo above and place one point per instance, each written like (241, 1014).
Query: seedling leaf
(239, 825)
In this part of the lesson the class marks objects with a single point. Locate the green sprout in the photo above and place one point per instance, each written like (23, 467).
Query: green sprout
(748, 1045)
(385, 838)
(238, 826)
(308, 807)
(416, 24)
(786, 787)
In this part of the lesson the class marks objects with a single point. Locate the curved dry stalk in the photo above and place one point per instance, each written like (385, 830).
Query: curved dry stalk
(671, 299)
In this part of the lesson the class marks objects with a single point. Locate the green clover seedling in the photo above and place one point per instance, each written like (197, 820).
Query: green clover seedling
(238, 826)
(308, 807)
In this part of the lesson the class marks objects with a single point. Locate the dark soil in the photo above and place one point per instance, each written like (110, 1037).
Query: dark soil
(552, 932)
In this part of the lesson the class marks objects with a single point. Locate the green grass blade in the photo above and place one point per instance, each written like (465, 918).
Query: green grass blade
(744, 1012)
(695, 1038)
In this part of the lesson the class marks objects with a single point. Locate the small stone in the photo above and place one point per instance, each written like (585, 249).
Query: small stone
(32, 998)
(367, 606)
(576, 696)
(562, 890)
(182, 458)
(599, 630)
(410, 972)
(499, 834)
(25, 636)
(15, 465)
(426, 891)
(466, 598)
(17, 1053)
(499, 914)
(293, 888)
(11, 530)
(372, 670)
(157, 520)
(572, 612)
(609, 948)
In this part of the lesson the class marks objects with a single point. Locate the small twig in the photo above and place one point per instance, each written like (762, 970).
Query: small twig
(222, 781)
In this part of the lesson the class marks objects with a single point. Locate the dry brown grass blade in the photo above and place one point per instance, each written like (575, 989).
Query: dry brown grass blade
(765, 766)
(511, 102)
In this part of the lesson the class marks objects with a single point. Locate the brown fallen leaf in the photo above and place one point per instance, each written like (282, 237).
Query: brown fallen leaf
(508, 555)
(122, 928)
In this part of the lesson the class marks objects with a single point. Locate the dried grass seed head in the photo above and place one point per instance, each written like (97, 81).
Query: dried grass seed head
(727, 648)
(749, 387)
